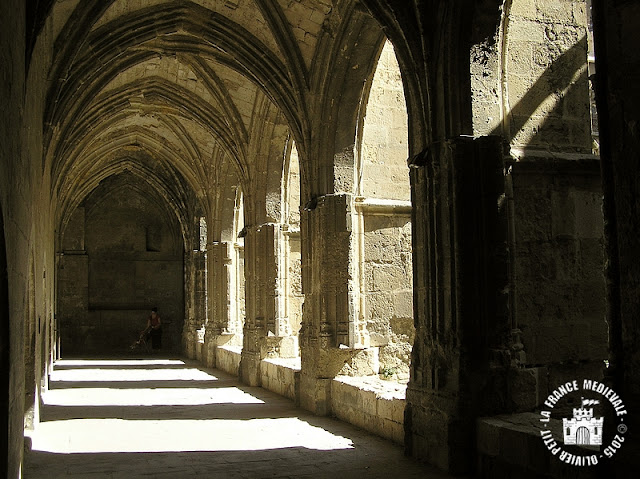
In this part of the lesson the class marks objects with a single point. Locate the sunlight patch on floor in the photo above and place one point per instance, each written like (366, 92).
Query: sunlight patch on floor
(118, 362)
(148, 397)
(118, 435)
(124, 419)
(120, 375)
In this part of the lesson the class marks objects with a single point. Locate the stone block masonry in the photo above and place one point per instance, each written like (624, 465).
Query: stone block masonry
(372, 404)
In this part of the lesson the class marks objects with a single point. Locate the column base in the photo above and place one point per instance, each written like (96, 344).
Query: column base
(189, 343)
(212, 343)
(315, 394)
(250, 368)
(436, 434)
(320, 366)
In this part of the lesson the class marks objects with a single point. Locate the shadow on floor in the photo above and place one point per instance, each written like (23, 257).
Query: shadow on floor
(126, 419)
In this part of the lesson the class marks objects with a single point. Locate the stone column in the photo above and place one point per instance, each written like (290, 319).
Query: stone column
(195, 301)
(460, 279)
(220, 328)
(266, 330)
(200, 297)
(332, 338)
(617, 74)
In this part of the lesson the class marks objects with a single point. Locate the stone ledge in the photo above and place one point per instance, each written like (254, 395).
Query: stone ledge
(365, 401)
(511, 446)
(289, 363)
(282, 376)
(375, 206)
(228, 359)
(386, 389)
(370, 403)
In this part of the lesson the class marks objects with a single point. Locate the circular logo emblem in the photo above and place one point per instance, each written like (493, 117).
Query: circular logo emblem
(586, 426)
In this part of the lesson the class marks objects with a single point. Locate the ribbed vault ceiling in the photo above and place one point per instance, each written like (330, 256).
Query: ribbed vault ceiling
(197, 98)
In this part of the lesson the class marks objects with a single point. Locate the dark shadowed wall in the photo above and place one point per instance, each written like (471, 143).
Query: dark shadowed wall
(122, 254)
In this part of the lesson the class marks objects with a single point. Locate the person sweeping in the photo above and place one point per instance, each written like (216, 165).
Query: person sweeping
(154, 326)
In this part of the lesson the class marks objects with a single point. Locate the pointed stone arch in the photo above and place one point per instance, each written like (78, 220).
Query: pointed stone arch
(191, 28)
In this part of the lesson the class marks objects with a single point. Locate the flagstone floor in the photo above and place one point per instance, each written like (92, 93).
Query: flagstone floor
(172, 418)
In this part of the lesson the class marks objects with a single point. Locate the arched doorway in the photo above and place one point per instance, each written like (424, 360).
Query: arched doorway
(582, 436)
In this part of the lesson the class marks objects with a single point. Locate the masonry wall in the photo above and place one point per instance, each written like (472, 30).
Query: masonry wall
(386, 243)
(228, 359)
(294, 263)
(373, 406)
(11, 90)
(546, 99)
(240, 292)
(618, 73)
(384, 172)
(388, 291)
(27, 231)
(294, 281)
(121, 256)
(282, 376)
(559, 260)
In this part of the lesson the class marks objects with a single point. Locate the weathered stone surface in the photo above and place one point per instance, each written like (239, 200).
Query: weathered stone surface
(558, 261)
(618, 65)
(545, 65)
(384, 137)
(282, 376)
(374, 405)
(270, 139)
(129, 262)
(228, 359)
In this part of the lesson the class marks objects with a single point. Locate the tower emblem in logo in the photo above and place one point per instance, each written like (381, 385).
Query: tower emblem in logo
(583, 428)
